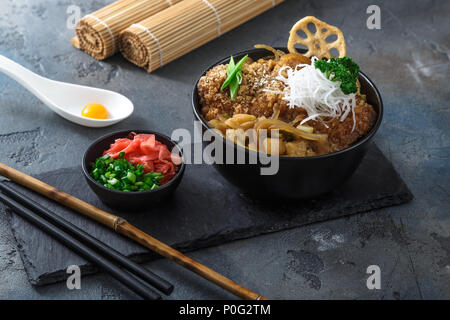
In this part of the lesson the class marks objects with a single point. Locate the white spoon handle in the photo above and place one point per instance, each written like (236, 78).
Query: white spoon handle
(25, 77)
(67, 99)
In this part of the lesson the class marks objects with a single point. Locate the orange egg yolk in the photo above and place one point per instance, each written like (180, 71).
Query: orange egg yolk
(95, 111)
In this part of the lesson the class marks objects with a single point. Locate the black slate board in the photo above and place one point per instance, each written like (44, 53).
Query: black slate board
(205, 211)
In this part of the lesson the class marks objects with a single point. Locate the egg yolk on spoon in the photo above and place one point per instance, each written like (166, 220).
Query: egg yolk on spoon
(95, 111)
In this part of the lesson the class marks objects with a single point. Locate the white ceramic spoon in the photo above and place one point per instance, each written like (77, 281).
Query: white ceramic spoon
(68, 99)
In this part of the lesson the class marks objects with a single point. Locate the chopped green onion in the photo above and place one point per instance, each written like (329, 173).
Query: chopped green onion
(131, 176)
(113, 181)
(119, 174)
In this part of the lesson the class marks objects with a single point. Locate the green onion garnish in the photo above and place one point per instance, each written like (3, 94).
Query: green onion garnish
(234, 72)
(121, 175)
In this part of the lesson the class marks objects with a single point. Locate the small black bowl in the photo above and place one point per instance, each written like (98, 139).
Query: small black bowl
(129, 200)
(297, 177)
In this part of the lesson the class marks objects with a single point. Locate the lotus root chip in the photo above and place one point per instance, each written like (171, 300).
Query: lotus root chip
(316, 42)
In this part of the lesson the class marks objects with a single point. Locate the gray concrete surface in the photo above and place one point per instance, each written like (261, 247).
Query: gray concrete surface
(409, 59)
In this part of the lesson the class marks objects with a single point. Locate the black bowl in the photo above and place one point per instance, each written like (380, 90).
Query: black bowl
(129, 200)
(297, 177)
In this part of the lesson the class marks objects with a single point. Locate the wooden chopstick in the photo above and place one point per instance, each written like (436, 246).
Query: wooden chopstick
(66, 239)
(123, 227)
(115, 256)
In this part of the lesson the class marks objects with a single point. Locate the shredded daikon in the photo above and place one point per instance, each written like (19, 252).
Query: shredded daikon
(308, 88)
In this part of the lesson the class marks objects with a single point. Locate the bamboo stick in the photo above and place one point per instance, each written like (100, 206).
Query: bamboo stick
(167, 35)
(123, 227)
(97, 33)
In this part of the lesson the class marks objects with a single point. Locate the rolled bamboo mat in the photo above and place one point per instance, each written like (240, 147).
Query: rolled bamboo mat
(155, 41)
(97, 33)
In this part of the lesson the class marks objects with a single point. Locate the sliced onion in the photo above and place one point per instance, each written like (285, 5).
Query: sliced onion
(299, 133)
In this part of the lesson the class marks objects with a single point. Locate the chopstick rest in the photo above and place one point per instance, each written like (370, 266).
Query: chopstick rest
(161, 284)
(89, 254)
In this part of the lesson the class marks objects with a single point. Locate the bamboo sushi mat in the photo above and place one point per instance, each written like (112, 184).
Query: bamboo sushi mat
(152, 33)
